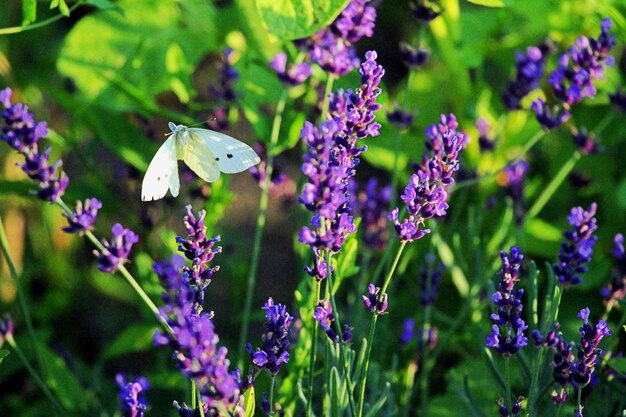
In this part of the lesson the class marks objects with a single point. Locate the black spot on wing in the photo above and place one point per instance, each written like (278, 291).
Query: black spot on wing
(229, 155)
(217, 159)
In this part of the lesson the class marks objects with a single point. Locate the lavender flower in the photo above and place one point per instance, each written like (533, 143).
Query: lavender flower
(332, 47)
(516, 408)
(273, 353)
(574, 77)
(429, 279)
(585, 141)
(426, 193)
(426, 339)
(323, 314)
(6, 328)
(372, 205)
(507, 335)
(374, 302)
(618, 99)
(319, 271)
(408, 331)
(588, 351)
(292, 74)
(616, 289)
(83, 217)
(485, 143)
(22, 133)
(549, 118)
(132, 396)
(224, 93)
(399, 118)
(199, 249)
(576, 251)
(512, 179)
(195, 345)
(281, 186)
(529, 67)
(411, 57)
(116, 253)
(425, 11)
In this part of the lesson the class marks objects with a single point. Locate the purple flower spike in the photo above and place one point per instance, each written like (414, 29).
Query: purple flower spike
(323, 314)
(529, 67)
(292, 74)
(485, 143)
(576, 251)
(549, 118)
(585, 141)
(116, 253)
(83, 217)
(411, 57)
(400, 119)
(618, 99)
(516, 408)
(408, 331)
(6, 328)
(372, 205)
(425, 12)
(588, 351)
(132, 396)
(273, 353)
(512, 179)
(507, 335)
(616, 289)
(374, 302)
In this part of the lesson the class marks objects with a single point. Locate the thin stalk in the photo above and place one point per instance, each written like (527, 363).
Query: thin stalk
(194, 395)
(18, 29)
(424, 360)
(4, 246)
(56, 405)
(200, 405)
(260, 224)
(272, 383)
(372, 331)
(557, 180)
(507, 379)
(329, 88)
(309, 404)
(342, 346)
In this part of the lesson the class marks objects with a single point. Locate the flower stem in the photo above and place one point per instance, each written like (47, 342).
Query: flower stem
(507, 379)
(272, 383)
(4, 246)
(309, 403)
(342, 346)
(370, 337)
(329, 88)
(260, 224)
(19, 29)
(56, 405)
(553, 185)
(194, 395)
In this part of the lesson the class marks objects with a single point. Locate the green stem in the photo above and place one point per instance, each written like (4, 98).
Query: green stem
(557, 180)
(338, 329)
(424, 359)
(18, 29)
(260, 224)
(56, 405)
(507, 379)
(329, 88)
(272, 383)
(194, 395)
(4, 246)
(372, 331)
(200, 405)
(309, 404)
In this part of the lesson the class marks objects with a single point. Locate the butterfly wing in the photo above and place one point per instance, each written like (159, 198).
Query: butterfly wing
(231, 155)
(200, 159)
(162, 173)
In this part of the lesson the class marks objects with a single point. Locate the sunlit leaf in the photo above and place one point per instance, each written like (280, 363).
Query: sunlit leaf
(249, 400)
(29, 11)
(135, 338)
(489, 3)
(63, 382)
(3, 354)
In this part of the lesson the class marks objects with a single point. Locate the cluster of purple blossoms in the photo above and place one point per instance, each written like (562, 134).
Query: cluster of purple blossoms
(507, 335)
(429, 279)
(132, 396)
(372, 205)
(425, 10)
(332, 48)
(618, 99)
(195, 344)
(6, 328)
(323, 314)
(585, 141)
(485, 143)
(577, 249)
(291, 75)
(584, 63)
(22, 134)
(408, 331)
(547, 117)
(516, 408)
(116, 252)
(332, 156)
(373, 301)
(512, 179)
(273, 353)
(426, 193)
(616, 289)
(83, 217)
(562, 360)
(529, 70)
(224, 94)
(200, 250)
(281, 186)
(411, 57)
(588, 351)
(399, 118)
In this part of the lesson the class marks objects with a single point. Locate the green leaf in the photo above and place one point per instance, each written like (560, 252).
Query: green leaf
(489, 3)
(29, 11)
(373, 411)
(543, 230)
(294, 19)
(249, 401)
(619, 364)
(101, 4)
(62, 382)
(18, 188)
(3, 354)
(65, 11)
(134, 338)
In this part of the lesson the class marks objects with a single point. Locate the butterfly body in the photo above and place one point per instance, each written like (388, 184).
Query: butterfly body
(206, 152)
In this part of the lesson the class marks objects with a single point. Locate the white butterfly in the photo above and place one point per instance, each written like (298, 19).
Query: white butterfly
(206, 152)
